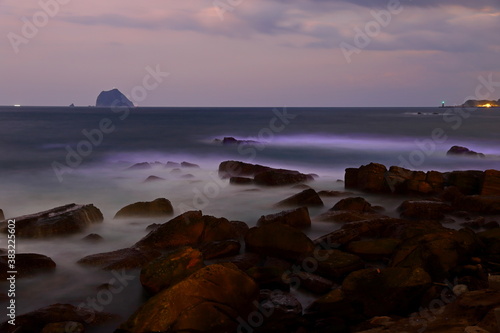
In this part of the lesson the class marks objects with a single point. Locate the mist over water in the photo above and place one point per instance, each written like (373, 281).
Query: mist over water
(318, 140)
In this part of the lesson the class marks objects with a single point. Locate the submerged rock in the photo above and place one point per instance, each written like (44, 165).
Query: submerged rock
(152, 179)
(93, 238)
(140, 166)
(64, 220)
(459, 150)
(160, 207)
(353, 204)
(307, 198)
(189, 165)
(210, 300)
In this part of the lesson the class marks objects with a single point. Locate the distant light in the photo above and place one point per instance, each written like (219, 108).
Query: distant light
(17, 105)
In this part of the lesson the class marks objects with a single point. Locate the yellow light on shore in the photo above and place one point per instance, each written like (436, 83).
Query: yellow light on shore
(486, 105)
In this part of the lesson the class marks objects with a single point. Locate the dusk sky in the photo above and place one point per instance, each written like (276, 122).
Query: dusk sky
(250, 52)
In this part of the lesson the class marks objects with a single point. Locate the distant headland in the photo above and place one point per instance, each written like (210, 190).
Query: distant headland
(113, 98)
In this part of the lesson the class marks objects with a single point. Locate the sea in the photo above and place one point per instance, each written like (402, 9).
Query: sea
(52, 156)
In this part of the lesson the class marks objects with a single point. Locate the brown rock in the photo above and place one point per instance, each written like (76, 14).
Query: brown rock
(354, 204)
(312, 282)
(284, 309)
(243, 261)
(128, 258)
(210, 300)
(64, 220)
(431, 210)
(240, 181)
(220, 249)
(468, 182)
(347, 216)
(491, 183)
(459, 150)
(269, 277)
(375, 249)
(93, 238)
(64, 327)
(297, 218)
(27, 265)
(307, 198)
(157, 208)
(371, 178)
(278, 240)
(170, 269)
(280, 177)
(335, 264)
(229, 169)
(479, 204)
(2, 216)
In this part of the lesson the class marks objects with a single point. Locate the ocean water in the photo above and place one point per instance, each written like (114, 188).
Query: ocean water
(55, 156)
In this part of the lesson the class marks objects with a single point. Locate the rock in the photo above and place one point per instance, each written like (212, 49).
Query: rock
(297, 218)
(210, 300)
(113, 98)
(64, 327)
(269, 277)
(240, 181)
(160, 207)
(373, 250)
(229, 169)
(152, 179)
(232, 141)
(189, 165)
(36, 321)
(330, 194)
(240, 229)
(347, 216)
(491, 240)
(479, 204)
(140, 166)
(243, 261)
(354, 204)
(468, 182)
(171, 164)
(312, 282)
(64, 220)
(92, 238)
(333, 303)
(128, 258)
(431, 210)
(307, 198)
(439, 253)
(491, 183)
(27, 265)
(335, 264)
(386, 291)
(2, 216)
(220, 249)
(278, 240)
(369, 178)
(188, 176)
(280, 177)
(284, 309)
(459, 150)
(170, 269)
(189, 229)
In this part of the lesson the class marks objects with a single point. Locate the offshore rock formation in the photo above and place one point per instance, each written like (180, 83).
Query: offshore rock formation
(113, 98)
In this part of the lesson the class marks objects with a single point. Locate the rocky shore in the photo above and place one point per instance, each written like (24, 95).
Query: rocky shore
(375, 271)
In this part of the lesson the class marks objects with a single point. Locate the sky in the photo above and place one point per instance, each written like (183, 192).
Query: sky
(250, 52)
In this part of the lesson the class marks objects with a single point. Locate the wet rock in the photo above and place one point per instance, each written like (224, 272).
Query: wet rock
(297, 218)
(229, 169)
(93, 238)
(284, 311)
(369, 178)
(280, 177)
(160, 207)
(424, 210)
(335, 264)
(153, 179)
(243, 261)
(347, 216)
(220, 249)
(140, 166)
(36, 321)
(459, 150)
(269, 277)
(307, 198)
(312, 282)
(479, 204)
(491, 183)
(64, 220)
(332, 304)
(278, 240)
(468, 182)
(64, 327)
(373, 250)
(189, 229)
(491, 240)
(210, 300)
(128, 258)
(153, 226)
(189, 165)
(354, 204)
(240, 229)
(170, 269)
(241, 181)
(27, 265)
(386, 291)
(330, 194)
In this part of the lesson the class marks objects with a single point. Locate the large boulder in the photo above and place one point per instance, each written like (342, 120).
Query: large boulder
(424, 210)
(279, 240)
(113, 98)
(210, 300)
(220, 249)
(468, 182)
(189, 229)
(297, 218)
(230, 169)
(459, 150)
(280, 177)
(170, 269)
(307, 197)
(27, 265)
(128, 258)
(481, 204)
(369, 178)
(374, 249)
(386, 291)
(36, 321)
(335, 264)
(355, 204)
(284, 310)
(491, 183)
(64, 220)
(160, 207)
